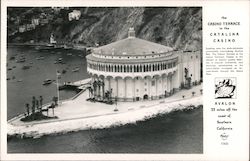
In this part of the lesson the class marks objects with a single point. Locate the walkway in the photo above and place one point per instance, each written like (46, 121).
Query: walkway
(79, 108)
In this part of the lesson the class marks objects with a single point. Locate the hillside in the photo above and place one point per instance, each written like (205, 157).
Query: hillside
(180, 28)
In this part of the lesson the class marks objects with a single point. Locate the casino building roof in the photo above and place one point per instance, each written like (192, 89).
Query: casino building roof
(132, 46)
(134, 69)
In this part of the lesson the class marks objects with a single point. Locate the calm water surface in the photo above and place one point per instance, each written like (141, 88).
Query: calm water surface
(176, 132)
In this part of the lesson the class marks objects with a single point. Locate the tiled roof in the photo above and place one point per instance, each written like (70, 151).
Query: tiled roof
(132, 46)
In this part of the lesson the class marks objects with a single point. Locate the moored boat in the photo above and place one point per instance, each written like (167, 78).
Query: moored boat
(76, 69)
(47, 82)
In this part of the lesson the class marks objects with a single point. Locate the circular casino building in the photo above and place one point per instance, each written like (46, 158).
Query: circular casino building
(134, 69)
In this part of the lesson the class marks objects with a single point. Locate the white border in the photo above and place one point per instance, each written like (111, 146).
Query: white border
(73, 156)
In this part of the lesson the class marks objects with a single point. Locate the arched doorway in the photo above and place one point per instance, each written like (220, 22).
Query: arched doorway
(145, 97)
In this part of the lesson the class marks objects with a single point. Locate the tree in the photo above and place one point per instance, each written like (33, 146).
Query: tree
(28, 109)
(90, 91)
(55, 99)
(193, 93)
(53, 106)
(201, 90)
(183, 96)
(41, 101)
(33, 104)
(37, 104)
(94, 87)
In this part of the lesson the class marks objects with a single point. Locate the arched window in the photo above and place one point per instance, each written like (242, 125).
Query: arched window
(127, 68)
(124, 69)
(115, 68)
(131, 70)
(134, 68)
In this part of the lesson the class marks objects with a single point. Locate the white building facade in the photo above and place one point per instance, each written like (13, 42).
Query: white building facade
(74, 15)
(133, 69)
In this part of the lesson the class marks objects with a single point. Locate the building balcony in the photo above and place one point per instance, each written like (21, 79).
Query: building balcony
(131, 74)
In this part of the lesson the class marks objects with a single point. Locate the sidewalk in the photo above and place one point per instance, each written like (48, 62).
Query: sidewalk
(79, 114)
(79, 108)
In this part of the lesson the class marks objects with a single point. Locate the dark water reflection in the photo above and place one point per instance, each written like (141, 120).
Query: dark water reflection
(177, 132)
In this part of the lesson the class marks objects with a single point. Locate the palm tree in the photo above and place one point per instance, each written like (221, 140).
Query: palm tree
(28, 109)
(33, 104)
(37, 104)
(53, 106)
(41, 102)
(95, 86)
(55, 99)
(90, 91)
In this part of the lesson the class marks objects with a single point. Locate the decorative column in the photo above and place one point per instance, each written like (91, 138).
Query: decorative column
(156, 86)
(133, 88)
(109, 84)
(170, 83)
(99, 88)
(117, 87)
(162, 86)
(125, 94)
(103, 91)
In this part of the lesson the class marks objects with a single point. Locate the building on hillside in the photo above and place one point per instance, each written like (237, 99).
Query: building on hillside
(30, 27)
(22, 28)
(134, 69)
(74, 15)
(35, 21)
(44, 21)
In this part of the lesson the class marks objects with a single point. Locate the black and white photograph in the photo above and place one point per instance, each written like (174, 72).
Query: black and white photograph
(104, 80)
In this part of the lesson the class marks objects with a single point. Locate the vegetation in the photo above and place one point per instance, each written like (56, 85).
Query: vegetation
(36, 111)
(37, 117)
(175, 27)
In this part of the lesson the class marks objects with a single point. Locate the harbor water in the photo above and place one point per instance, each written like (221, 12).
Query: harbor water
(176, 132)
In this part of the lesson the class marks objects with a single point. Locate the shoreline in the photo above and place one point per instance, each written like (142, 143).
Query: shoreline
(101, 121)
(76, 113)
(75, 46)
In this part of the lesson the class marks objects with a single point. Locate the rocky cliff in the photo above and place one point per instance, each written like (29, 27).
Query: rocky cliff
(180, 28)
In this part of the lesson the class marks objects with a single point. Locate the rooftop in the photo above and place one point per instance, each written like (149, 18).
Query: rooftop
(132, 46)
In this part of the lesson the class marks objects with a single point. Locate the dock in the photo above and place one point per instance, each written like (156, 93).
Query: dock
(78, 85)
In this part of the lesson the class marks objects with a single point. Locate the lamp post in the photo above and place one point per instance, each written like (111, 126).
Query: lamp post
(57, 85)
(116, 109)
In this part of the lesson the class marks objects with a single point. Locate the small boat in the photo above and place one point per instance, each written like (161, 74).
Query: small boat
(9, 69)
(64, 71)
(76, 69)
(47, 82)
(20, 80)
(21, 60)
(69, 54)
(40, 58)
(26, 67)
(12, 58)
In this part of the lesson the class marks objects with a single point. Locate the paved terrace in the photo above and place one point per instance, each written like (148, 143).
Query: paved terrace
(79, 108)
